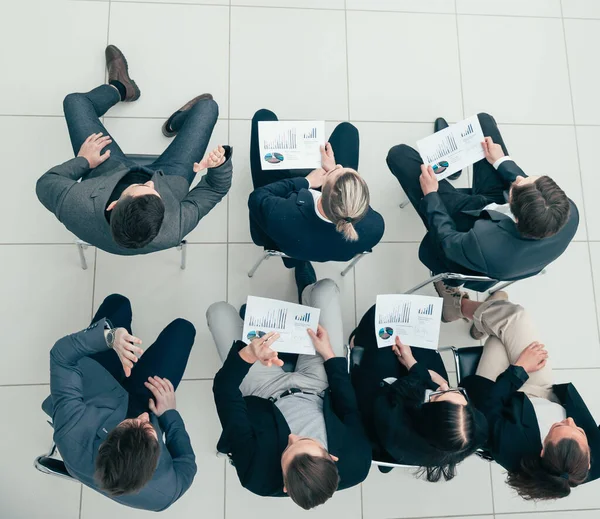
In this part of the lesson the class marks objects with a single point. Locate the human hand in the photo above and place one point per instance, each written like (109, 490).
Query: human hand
(164, 395)
(428, 180)
(533, 358)
(492, 151)
(327, 157)
(321, 342)
(92, 147)
(213, 160)
(317, 177)
(404, 354)
(125, 349)
(441, 382)
(260, 349)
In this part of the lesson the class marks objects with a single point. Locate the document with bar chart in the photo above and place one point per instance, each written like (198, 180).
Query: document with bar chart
(290, 144)
(414, 318)
(291, 321)
(453, 148)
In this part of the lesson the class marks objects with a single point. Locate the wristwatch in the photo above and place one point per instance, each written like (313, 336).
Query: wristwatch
(110, 336)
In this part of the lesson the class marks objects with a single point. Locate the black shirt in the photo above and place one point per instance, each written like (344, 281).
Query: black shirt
(135, 176)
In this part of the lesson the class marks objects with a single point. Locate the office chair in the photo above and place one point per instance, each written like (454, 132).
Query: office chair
(268, 253)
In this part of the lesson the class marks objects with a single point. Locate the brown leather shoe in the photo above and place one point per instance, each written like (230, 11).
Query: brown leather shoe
(118, 70)
(166, 127)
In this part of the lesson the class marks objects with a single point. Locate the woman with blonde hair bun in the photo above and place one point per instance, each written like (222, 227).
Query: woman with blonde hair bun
(320, 215)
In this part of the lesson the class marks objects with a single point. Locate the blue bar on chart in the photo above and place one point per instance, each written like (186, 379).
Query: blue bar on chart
(446, 147)
(311, 135)
(426, 310)
(284, 141)
(399, 314)
(468, 131)
(303, 318)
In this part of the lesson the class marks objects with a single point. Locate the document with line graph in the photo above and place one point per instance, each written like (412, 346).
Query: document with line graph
(453, 148)
(290, 144)
(414, 318)
(290, 320)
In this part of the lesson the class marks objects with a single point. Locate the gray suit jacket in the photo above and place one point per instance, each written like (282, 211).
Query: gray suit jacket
(80, 205)
(87, 403)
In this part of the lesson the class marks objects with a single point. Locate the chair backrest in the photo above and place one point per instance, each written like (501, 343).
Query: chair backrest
(466, 361)
(52, 466)
(356, 355)
(143, 160)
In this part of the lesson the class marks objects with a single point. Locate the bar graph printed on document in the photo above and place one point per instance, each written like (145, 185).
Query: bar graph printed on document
(445, 148)
(398, 314)
(274, 319)
(284, 141)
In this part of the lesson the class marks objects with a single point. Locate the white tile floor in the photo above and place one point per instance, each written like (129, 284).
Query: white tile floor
(389, 66)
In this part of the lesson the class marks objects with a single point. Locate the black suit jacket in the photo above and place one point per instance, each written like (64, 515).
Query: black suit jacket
(514, 431)
(282, 217)
(493, 246)
(255, 433)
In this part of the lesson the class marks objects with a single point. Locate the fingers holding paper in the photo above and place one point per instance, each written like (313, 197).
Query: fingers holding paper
(403, 353)
(428, 180)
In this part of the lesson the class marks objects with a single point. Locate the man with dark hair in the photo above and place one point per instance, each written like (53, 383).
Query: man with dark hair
(508, 226)
(119, 205)
(290, 432)
(111, 403)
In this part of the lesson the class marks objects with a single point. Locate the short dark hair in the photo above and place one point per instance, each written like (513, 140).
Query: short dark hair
(563, 466)
(541, 208)
(135, 221)
(454, 431)
(311, 480)
(127, 458)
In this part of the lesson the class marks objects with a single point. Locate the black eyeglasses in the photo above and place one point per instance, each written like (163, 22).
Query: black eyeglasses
(460, 390)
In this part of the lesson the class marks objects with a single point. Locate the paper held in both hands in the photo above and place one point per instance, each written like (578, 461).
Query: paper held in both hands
(290, 144)
(415, 319)
(291, 321)
(453, 148)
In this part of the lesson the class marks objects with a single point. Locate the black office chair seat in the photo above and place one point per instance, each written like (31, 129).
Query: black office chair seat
(289, 361)
(466, 361)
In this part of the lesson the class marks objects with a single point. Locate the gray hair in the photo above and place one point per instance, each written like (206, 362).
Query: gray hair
(346, 202)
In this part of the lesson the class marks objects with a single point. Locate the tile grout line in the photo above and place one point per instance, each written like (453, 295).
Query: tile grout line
(492, 489)
(228, 141)
(462, 90)
(585, 222)
(347, 58)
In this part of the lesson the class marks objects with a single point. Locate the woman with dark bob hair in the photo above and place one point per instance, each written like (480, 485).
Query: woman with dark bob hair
(542, 434)
(410, 413)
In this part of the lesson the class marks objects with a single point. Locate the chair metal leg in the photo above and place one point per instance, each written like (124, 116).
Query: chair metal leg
(82, 246)
(500, 286)
(353, 263)
(404, 203)
(432, 279)
(266, 255)
(183, 248)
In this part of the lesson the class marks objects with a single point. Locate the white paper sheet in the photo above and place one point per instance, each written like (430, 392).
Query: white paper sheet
(453, 148)
(290, 144)
(415, 319)
(290, 320)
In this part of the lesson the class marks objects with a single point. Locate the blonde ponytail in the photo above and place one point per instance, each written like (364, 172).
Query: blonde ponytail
(346, 202)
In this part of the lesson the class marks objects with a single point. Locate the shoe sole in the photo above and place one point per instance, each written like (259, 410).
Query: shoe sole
(440, 295)
(170, 134)
(136, 89)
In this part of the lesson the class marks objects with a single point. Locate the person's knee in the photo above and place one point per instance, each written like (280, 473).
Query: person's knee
(324, 289)
(216, 309)
(485, 119)
(209, 108)
(264, 115)
(184, 326)
(348, 129)
(119, 301)
(71, 100)
(399, 153)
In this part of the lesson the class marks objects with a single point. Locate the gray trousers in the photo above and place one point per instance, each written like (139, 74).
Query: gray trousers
(265, 382)
(511, 330)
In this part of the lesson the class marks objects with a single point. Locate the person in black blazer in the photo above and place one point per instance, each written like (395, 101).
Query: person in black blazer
(405, 421)
(322, 217)
(542, 434)
(297, 433)
(479, 230)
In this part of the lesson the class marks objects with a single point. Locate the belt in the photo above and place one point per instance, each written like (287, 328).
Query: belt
(293, 391)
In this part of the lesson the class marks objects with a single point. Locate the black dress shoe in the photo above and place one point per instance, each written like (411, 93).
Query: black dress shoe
(305, 275)
(439, 124)
(166, 127)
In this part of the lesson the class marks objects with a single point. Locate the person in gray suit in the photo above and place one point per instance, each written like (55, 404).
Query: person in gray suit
(110, 407)
(118, 205)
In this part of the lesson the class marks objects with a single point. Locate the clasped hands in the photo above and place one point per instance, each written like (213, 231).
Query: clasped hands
(428, 179)
(260, 348)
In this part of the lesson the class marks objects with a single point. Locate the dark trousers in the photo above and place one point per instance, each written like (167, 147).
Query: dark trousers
(166, 358)
(344, 141)
(488, 186)
(194, 127)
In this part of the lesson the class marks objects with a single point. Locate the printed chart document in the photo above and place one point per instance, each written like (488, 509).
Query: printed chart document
(453, 148)
(415, 319)
(290, 320)
(290, 144)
